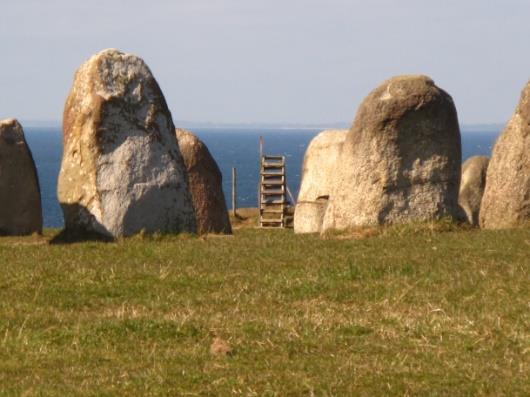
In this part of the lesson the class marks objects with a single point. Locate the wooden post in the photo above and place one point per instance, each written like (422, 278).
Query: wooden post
(259, 173)
(234, 191)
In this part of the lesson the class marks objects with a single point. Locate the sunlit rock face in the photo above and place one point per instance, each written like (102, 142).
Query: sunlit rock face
(401, 159)
(20, 200)
(122, 171)
(321, 163)
(506, 200)
(472, 187)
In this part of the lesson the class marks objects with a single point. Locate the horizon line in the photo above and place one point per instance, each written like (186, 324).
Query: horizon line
(271, 125)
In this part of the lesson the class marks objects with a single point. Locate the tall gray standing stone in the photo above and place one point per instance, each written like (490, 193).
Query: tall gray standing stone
(506, 200)
(20, 200)
(401, 158)
(122, 171)
(472, 187)
(321, 162)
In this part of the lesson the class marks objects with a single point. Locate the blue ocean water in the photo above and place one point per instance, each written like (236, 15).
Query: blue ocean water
(237, 148)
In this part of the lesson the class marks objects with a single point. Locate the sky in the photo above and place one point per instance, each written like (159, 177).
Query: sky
(270, 61)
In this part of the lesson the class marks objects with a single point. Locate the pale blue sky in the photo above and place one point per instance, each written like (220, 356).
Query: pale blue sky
(293, 61)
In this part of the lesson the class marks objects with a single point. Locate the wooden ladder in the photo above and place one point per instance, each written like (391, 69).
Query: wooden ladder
(273, 192)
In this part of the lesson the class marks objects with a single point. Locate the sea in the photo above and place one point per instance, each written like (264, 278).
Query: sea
(238, 148)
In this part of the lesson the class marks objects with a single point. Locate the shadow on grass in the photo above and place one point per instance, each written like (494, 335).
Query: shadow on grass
(66, 236)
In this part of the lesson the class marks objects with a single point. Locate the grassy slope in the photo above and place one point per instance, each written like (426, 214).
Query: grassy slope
(408, 311)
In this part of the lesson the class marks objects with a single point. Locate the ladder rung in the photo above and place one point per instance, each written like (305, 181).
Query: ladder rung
(272, 165)
(272, 220)
(273, 191)
(272, 196)
(269, 173)
(272, 178)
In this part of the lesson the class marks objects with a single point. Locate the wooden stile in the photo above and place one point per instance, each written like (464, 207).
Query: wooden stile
(273, 201)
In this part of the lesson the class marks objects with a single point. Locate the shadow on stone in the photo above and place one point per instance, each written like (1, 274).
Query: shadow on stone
(85, 227)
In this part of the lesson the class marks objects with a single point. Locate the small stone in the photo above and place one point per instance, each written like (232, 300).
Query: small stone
(220, 347)
(321, 161)
(20, 199)
(206, 185)
(472, 187)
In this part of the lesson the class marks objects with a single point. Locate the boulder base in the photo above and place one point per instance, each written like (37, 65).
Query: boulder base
(20, 200)
(308, 216)
(506, 200)
(401, 159)
(472, 187)
(206, 185)
(122, 171)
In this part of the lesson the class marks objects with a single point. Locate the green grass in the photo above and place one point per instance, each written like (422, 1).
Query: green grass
(408, 311)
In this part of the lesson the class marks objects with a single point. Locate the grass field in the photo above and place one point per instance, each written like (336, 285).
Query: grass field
(428, 310)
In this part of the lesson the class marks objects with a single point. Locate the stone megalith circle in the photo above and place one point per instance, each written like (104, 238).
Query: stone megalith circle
(401, 158)
(321, 161)
(506, 200)
(472, 186)
(205, 182)
(122, 171)
(20, 199)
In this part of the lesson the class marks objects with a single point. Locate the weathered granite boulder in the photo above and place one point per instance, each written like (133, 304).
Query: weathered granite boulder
(472, 186)
(321, 161)
(20, 202)
(506, 200)
(205, 183)
(122, 171)
(401, 159)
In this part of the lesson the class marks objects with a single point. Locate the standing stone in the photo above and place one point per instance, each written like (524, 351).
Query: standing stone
(206, 185)
(401, 159)
(122, 171)
(472, 187)
(321, 161)
(506, 200)
(20, 203)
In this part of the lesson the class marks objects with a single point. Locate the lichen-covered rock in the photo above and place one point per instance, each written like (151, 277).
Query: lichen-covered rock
(321, 161)
(20, 201)
(506, 200)
(401, 159)
(205, 183)
(122, 171)
(472, 186)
